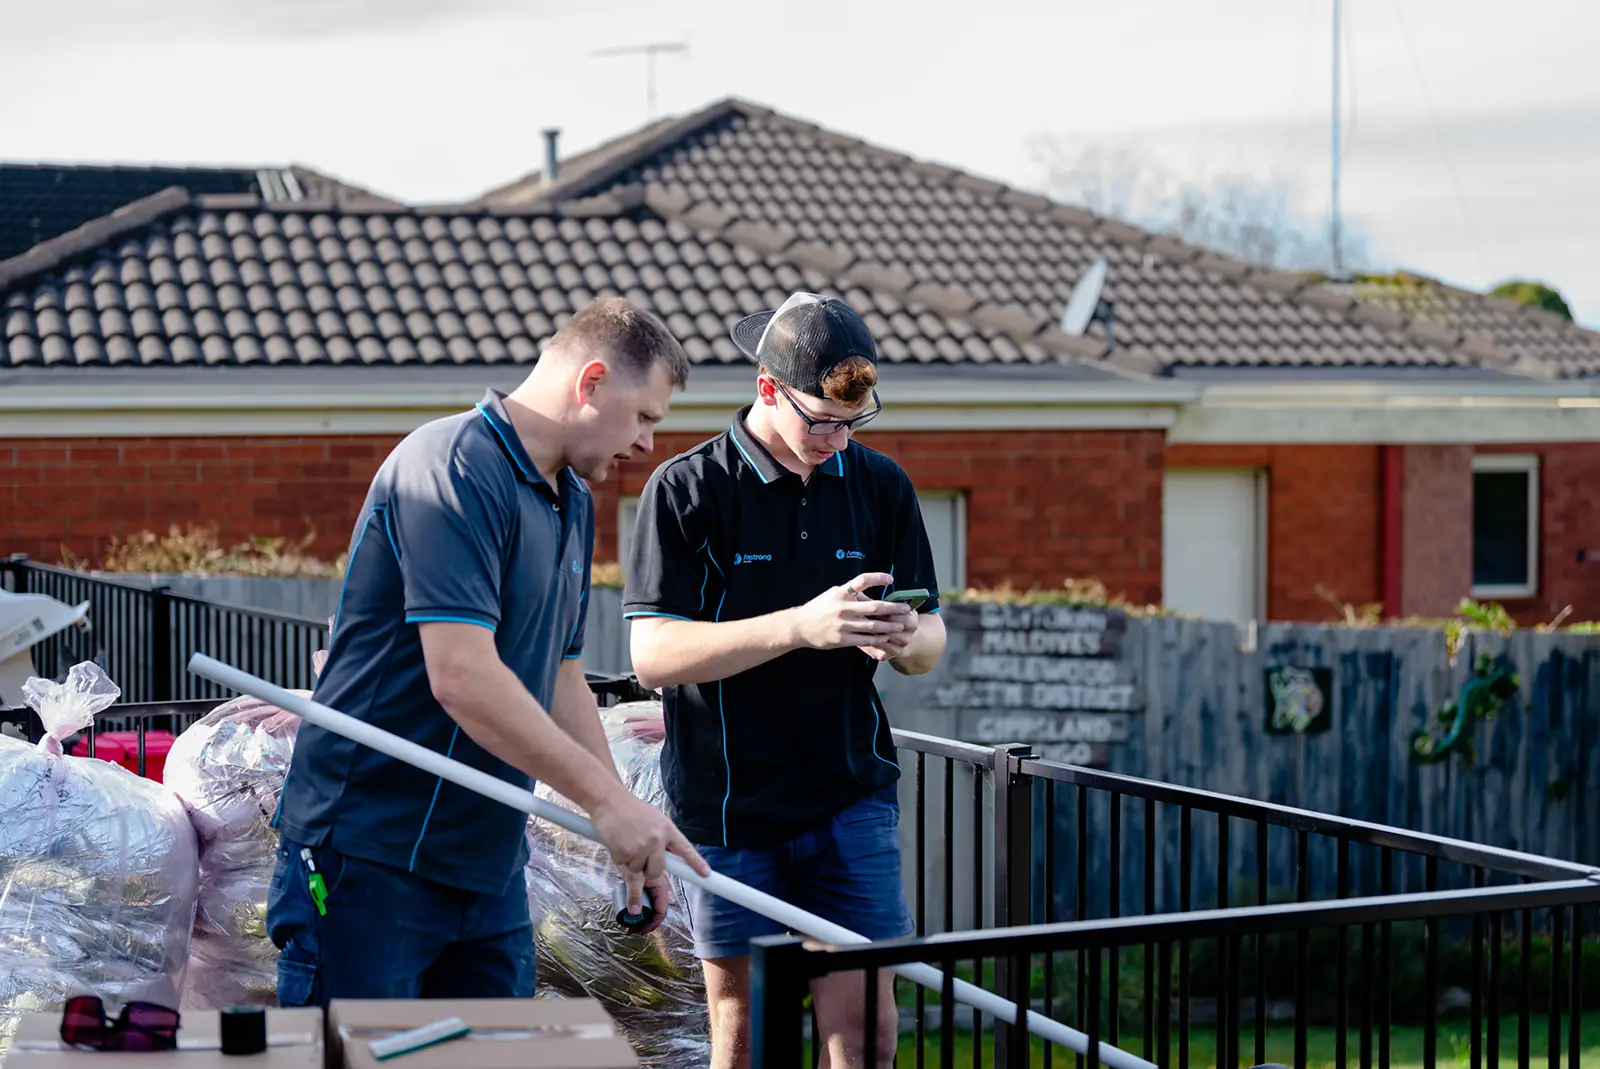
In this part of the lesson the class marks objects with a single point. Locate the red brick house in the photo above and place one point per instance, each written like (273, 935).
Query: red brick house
(1242, 438)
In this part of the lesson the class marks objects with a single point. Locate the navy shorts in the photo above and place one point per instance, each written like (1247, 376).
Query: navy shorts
(846, 871)
(390, 934)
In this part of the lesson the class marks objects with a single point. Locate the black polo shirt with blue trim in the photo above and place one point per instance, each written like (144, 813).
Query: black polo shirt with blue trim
(458, 526)
(725, 532)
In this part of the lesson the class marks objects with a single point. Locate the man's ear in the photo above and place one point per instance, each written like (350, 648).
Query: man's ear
(766, 390)
(590, 376)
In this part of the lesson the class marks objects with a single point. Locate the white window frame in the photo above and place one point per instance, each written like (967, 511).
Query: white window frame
(1528, 464)
(957, 582)
(623, 503)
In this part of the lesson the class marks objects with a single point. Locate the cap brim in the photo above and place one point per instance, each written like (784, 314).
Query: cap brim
(747, 332)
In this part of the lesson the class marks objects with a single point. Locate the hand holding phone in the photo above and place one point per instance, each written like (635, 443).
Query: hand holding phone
(912, 598)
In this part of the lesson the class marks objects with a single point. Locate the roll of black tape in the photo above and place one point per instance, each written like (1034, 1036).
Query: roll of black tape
(244, 1030)
(619, 902)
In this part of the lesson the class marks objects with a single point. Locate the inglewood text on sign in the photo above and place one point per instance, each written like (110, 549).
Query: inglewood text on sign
(1048, 675)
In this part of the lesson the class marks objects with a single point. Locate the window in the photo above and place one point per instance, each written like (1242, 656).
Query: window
(944, 515)
(1505, 526)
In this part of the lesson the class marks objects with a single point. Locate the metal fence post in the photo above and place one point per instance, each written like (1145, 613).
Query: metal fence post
(162, 669)
(1013, 878)
(778, 987)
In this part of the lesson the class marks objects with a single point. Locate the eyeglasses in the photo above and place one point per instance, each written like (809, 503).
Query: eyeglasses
(140, 1025)
(829, 426)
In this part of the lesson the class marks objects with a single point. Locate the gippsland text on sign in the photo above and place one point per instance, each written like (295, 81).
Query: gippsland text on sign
(1047, 675)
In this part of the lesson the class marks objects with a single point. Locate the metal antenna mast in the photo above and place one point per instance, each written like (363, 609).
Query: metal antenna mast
(1338, 257)
(650, 51)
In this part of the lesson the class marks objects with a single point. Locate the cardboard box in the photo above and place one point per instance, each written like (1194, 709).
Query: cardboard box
(294, 1041)
(506, 1034)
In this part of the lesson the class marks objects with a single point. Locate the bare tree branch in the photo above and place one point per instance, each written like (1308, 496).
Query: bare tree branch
(1236, 214)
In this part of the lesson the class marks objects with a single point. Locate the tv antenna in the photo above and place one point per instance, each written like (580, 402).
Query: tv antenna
(1334, 221)
(649, 51)
(1085, 306)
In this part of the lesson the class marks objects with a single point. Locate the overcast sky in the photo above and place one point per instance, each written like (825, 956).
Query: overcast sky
(1473, 127)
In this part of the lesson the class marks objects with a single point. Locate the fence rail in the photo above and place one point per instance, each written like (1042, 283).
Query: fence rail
(1139, 909)
(1069, 847)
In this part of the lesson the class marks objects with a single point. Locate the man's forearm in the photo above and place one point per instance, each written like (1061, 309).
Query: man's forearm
(925, 648)
(678, 652)
(575, 711)
(497, 712)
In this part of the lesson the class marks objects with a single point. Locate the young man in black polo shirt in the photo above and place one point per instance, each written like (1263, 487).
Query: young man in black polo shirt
(748, 590)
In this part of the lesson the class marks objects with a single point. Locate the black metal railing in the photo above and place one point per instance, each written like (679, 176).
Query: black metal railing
(143, 638)
(144, 635)
(1162, 917)
(1051, 843)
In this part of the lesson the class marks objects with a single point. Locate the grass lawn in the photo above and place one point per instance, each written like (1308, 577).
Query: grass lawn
(1405, 1048)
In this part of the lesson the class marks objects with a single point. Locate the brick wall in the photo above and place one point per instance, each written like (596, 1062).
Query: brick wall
(1435, 509)
(1323, 520)
(1569, 520)
(1041, 505)
(78, 494)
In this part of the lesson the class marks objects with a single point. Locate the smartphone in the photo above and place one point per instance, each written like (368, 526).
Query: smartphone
(913, 598)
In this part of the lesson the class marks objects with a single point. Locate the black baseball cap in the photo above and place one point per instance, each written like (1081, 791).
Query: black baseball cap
(801, 341)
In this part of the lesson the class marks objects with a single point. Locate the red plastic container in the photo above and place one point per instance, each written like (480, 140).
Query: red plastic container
(122, 747)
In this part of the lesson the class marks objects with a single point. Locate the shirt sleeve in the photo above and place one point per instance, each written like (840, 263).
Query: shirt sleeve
(669, 566)
(913, 556)
(575, 643)
(450, 530)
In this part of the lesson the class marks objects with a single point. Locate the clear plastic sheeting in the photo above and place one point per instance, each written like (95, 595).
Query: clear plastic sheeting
(650, 984)
(98, 867)
(228, 770)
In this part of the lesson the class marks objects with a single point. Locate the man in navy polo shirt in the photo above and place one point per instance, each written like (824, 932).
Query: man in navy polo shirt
(460, 627)
(747, 589)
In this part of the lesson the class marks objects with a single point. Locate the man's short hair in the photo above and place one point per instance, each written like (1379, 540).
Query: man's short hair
(630, 336)
(850, 380)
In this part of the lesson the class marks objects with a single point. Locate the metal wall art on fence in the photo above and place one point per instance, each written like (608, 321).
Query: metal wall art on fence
(1299, 700)
(1493, 683)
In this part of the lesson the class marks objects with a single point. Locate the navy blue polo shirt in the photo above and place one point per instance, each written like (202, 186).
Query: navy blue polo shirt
(458, 525)
(725, 532)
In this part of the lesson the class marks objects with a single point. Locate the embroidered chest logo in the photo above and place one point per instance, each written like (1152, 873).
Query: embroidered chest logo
(575, 568)
(849, 554)
(751, 558)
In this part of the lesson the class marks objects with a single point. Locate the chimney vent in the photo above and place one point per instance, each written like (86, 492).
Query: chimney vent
(552, 158)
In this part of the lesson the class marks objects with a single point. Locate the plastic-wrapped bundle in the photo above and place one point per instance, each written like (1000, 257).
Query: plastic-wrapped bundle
(98, 867)
(228, 769)
(652, 984)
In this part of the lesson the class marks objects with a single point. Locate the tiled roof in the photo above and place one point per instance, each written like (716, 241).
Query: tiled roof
(974, 241)
(42, 201)
(232, 280)
(1532, 334)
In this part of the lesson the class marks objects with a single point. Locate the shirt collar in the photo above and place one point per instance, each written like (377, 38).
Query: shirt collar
(757, 456)
(492, 408)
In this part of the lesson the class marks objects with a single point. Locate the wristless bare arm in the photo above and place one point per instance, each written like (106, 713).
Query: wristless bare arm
(575, 711)
(496, 711)
(670, 652)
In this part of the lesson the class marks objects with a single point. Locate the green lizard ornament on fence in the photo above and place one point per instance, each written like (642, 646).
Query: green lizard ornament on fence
(1482, 696)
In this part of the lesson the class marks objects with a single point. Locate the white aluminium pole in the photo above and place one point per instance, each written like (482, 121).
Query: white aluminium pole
(499, 790)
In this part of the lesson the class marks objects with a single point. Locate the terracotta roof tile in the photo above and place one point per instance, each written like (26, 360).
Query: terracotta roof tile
(248, 283)
(848, 202)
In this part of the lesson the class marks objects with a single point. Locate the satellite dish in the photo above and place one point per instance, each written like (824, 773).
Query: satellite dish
(1085, 299)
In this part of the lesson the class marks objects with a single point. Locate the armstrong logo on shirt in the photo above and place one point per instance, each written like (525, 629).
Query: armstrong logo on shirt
(849, 554)
(751, 558)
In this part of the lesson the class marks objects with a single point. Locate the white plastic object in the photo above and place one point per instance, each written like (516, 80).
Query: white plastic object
(417, 1038)
(67, 708)
(769, 906)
